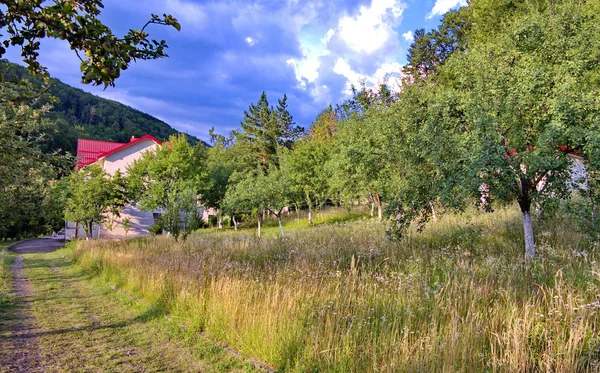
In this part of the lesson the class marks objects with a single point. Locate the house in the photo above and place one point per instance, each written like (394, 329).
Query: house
(113, 156)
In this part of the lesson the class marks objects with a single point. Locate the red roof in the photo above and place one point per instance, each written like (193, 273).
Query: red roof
(89, 151)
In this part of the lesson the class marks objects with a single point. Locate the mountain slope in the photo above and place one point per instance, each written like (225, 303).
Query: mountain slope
(79, 114)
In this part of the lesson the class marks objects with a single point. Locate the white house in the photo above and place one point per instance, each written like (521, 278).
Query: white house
(113, 156)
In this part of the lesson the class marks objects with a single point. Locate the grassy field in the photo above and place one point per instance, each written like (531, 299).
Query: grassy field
(343, 298)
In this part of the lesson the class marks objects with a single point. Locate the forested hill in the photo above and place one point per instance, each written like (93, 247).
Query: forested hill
(79, 114)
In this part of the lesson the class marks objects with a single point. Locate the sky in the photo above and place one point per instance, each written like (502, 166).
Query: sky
(228, 52)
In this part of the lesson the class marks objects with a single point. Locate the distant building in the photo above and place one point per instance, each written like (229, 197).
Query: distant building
(113, 156)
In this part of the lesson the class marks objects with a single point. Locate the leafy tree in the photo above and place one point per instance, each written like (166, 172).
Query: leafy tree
(94, 197)
(103, 55)
(431, 49)
(171, 179)
(360, 162)
(323, 128)
(244, 196)
(523, 89)
(255, 192)
(25, 170)
(308, 174)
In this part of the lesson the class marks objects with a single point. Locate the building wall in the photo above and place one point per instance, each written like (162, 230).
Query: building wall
(122, 159)
(139, 220)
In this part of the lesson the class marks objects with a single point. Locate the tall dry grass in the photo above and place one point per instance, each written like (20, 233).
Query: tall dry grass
(343, 298)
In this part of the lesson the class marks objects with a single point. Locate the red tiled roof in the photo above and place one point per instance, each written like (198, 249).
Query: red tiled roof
(89, 151)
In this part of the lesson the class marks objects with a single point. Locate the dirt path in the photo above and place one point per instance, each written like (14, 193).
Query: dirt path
(20, 350)
(60, 320)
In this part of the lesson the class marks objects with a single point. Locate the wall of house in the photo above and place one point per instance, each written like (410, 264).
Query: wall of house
(122, 159)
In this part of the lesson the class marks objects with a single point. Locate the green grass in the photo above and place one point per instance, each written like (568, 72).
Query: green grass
(82, 324)
(6, 283)
(343, 298)
(6, 243)
(295, 222)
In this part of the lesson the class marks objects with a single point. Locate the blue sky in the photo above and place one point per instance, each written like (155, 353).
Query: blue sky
(228, 52)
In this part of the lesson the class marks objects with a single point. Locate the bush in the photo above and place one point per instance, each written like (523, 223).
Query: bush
(213, 220)
(156, 229)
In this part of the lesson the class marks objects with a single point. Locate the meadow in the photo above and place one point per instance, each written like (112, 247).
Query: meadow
(342, 297)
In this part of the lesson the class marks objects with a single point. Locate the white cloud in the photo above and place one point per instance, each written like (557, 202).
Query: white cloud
(250, 41)
(409, 36)
(443, 6)
(355, 49)
(371, 29)
(388, 73)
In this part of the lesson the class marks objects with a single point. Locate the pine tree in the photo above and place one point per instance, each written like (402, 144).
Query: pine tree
(265, 129)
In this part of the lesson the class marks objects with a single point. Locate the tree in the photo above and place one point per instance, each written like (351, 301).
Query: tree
(290, 132)
(264, 130)
(94, 197)
(103, 55)
(26, 170)
(255, 192)
(431, 49)
(171, 178)
(245, 196)
(360, 163)
(309, 176)
(323, 128)
(523, 90)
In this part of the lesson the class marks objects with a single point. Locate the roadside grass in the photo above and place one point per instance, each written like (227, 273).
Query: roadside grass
(6, 282)
(343, 298)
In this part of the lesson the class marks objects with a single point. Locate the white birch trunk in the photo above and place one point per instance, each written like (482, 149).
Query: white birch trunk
(234, 222)
(259, 227)
(310, 219)
(280, 225)
(529, 239)
(372, 209)
(379, 211)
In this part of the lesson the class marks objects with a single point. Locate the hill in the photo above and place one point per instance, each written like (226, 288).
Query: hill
(79, 114)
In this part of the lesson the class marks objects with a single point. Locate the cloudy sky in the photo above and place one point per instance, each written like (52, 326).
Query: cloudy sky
(228, 52)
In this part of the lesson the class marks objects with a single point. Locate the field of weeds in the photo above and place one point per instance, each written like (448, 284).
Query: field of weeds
(343, 298)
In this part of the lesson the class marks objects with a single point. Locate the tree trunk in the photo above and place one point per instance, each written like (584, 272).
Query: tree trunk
(234, 222)
(76, 230)
(528, 230)
(433, 214)
(220, 222)
(310, 218)
(377, 200)
(259, 219)
(372, 209)
(280, 225)
(525, 204)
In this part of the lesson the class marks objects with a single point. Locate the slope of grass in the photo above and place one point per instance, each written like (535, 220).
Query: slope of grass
(344, 298)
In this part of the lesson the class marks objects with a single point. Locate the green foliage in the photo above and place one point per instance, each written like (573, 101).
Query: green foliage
(26, 170)
(264, 130)
(93, 197)
(75, 114)
(171, 178)
(26, 23)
